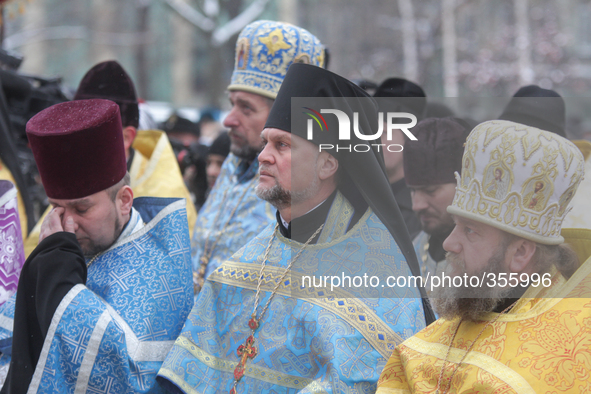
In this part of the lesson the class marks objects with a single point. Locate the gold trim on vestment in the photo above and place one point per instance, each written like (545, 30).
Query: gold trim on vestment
(479, 360)
(338, 219)
(339, 302)
(388, 390)
(251, 370)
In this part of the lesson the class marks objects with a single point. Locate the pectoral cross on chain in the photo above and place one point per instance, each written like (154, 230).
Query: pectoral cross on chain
(245, 352)
(248, 350)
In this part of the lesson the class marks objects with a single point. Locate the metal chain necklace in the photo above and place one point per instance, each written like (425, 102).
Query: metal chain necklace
(448, 384)
(248, 350)
(92, 260)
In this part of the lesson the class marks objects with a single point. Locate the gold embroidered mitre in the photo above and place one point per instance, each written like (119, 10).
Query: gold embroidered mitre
(264, 52)
(519, 179)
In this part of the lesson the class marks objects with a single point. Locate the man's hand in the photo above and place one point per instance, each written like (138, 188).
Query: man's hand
(53, 223)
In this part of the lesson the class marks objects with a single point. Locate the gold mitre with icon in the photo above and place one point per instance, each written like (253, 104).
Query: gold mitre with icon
(264, 52)
(519, 179)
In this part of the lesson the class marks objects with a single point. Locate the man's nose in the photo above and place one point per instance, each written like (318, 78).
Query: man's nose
(231, 120)
(451, 243)
(266, 155)
(419, 202)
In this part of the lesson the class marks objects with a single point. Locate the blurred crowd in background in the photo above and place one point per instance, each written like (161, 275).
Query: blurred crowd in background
(179, 55)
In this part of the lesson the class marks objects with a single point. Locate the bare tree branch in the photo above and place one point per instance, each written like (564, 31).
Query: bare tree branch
(409, 39)
(74, 32)
(224, 33)
(526, 72)
(191, 14)
(211, 8)
(450, 73)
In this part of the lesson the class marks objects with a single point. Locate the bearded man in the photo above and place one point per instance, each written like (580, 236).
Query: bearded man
(152, 166)
(267, 328)
(525, 326)
(429, 166)
(102, 297)
(233, 214)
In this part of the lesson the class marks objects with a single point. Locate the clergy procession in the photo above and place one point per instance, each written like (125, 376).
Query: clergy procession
(438, 254)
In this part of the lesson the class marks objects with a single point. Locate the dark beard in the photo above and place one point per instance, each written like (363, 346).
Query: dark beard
(245, 152)
(95, 249)
(471, 303)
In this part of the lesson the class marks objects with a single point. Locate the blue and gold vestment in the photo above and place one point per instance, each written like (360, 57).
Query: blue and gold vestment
(310, 340)
(112, 334)
(231, 216)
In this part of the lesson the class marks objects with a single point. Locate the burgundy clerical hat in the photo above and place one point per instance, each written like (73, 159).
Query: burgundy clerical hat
(78, 147)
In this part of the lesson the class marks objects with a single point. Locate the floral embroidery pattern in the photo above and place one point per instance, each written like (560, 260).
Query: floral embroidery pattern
(559, 348)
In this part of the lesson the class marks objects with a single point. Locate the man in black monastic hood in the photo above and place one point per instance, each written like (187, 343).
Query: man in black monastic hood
(336, 215)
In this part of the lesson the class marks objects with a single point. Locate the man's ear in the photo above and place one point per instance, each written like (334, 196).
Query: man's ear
(328, 165)
(129, 134)
(521, 253)
(125, 199)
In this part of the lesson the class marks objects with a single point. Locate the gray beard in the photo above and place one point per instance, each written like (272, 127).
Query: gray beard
(281, 198)
(275, 195)
(471, 303)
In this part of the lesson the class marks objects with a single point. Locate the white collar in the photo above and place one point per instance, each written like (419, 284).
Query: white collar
(286, 224)
(135, 224)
